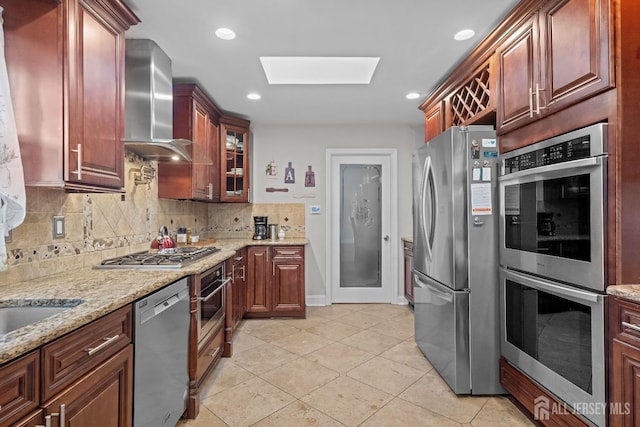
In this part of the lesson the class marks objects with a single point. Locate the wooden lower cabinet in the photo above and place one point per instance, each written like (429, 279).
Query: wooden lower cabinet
(258, 301)
(102, 398)
(624, 372)
(235, 269)
(275, 281)
(408, 271)
(84, 378)
(19, 388)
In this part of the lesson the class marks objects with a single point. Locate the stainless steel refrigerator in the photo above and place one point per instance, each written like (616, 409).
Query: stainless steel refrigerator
(456, 292)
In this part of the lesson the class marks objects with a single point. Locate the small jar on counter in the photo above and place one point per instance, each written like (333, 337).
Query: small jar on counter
(181, 237)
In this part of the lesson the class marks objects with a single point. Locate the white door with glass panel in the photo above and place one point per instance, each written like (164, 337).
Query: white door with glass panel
(360, 218)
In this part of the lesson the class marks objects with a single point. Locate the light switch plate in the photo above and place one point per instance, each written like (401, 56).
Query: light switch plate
(57, 223)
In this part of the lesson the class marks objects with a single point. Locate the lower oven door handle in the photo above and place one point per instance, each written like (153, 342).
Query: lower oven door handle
(221, 287)
(544, 285)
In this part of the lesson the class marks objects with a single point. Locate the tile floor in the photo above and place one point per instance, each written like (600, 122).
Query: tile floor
(344, 365)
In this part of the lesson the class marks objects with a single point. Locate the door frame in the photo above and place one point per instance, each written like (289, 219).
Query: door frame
(389, 265)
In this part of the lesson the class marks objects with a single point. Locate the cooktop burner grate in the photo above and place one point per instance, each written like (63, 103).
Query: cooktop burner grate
(170, 259)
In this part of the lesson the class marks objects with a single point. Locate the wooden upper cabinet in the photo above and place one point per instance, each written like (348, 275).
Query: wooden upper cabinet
(433, 121)
(518, 65)
(559, 55)
(234, 159)
(66, 70)
(195, 118)
(576, 58)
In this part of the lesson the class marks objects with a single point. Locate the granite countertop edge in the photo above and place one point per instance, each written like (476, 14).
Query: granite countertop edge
(628, 292)
(102, 292)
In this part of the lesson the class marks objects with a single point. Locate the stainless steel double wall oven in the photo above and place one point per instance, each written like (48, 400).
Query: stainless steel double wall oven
(552, 256)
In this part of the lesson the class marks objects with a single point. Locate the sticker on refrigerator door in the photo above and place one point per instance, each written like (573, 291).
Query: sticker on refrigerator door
(481, 199)
(489, 142)
(486, 174)
(476, 174)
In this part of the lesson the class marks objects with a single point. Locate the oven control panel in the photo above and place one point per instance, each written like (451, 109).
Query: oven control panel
(577, 148)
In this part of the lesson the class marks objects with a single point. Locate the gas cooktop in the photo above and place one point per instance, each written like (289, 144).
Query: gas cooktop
(173, 258)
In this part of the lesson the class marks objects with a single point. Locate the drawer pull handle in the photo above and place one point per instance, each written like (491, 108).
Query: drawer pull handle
(631, 326)
(107, 341)
(56, 414)
(214, 353)
(287, 252)
(47, 421)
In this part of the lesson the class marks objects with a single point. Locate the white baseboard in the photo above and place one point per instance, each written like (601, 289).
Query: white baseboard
(316, 300)
(321, 300)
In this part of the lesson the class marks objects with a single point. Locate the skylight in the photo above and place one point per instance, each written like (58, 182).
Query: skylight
(316, 70)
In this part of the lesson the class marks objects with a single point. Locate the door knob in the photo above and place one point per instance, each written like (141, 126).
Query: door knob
(386, 238)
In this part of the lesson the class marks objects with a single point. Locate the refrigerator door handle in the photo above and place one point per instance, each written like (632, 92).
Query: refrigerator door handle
(427, 184)
(437, 290)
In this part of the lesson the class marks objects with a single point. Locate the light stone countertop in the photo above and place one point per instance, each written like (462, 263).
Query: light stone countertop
(408, 239)
(628, 292)
(102, 292)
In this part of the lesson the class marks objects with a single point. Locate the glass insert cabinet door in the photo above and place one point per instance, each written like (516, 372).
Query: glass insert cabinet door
(360, 226)
(235, 163)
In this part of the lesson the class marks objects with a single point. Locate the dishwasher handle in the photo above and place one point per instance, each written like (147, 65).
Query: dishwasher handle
(163, 305)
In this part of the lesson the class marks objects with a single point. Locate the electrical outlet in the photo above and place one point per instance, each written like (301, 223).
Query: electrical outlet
(57, 223)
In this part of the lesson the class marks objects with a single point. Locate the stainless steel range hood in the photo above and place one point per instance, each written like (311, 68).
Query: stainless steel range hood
(148, 126)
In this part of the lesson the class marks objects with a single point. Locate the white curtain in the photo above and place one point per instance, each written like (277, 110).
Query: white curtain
(12, 193)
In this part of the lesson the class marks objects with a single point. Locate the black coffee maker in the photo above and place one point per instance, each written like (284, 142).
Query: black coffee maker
(260, 228)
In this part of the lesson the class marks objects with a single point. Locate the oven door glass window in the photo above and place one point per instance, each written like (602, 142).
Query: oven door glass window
(550, 217)
(211, 307)
(553, 330)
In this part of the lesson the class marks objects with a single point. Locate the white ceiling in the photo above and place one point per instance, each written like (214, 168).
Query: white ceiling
(413, 38)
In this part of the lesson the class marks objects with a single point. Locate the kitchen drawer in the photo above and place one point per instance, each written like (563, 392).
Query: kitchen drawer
(19, 388)
(287, 252)
(72, 356)
(625, 321)
(209, 354)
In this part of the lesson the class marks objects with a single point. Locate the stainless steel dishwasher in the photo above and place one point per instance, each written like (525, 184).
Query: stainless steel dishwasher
(161, 379)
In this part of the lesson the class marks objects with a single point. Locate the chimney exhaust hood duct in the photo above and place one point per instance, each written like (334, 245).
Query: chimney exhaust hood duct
(148, 126)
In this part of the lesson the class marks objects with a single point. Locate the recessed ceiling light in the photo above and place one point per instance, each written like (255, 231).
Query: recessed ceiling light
(413, 95)
(317, 70)
(225, 34)
(464, 35)
(254, 96)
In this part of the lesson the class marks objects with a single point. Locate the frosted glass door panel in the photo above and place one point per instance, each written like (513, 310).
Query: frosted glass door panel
(360, 226)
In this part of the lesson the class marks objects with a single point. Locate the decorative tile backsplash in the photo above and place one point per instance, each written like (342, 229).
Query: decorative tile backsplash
(231, 221)
(101, 226)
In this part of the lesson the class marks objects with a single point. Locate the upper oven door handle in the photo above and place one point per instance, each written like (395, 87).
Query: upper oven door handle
(218, 289)
(552, 171)
(559, 290)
